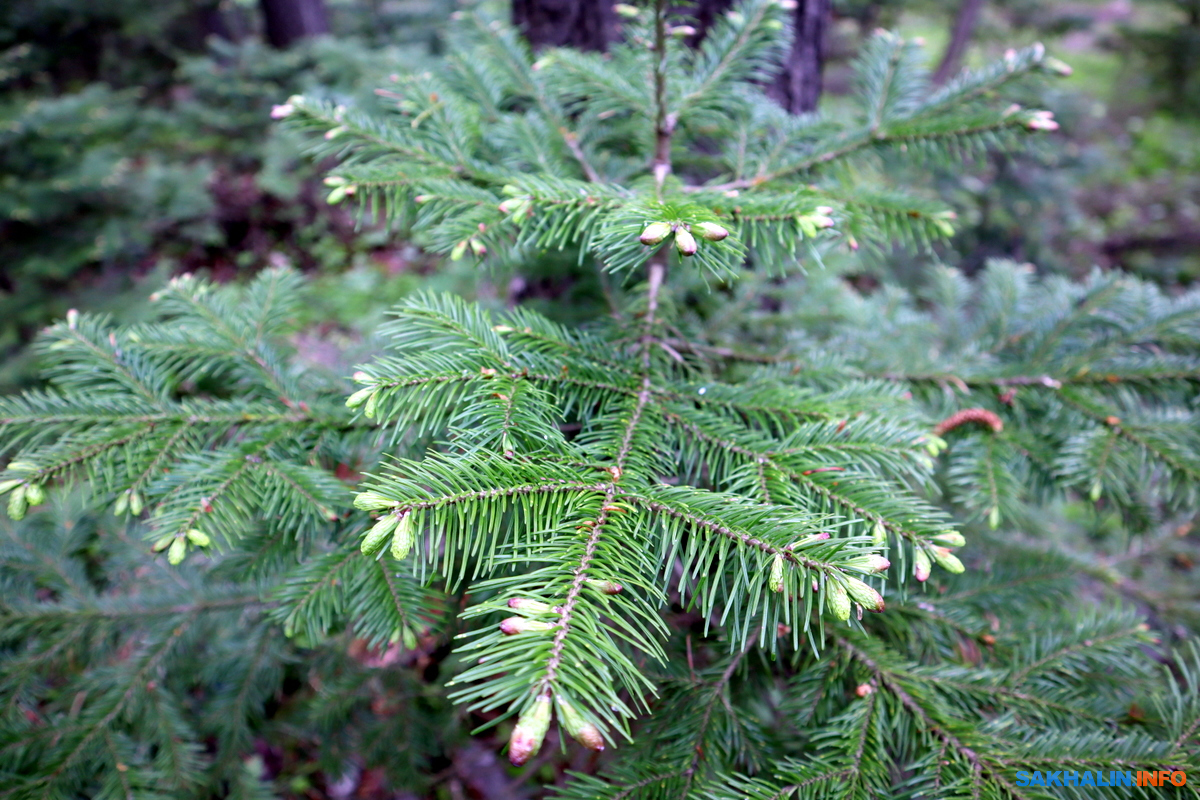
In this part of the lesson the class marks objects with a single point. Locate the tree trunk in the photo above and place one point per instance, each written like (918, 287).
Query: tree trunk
(798, 85)
(584, 24)
(960, 37)
(289, 21)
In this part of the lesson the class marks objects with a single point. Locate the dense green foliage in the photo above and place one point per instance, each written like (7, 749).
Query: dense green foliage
(661, 528)
(130, 143)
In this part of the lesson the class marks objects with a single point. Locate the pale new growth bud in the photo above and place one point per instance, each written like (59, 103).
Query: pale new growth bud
(584, 732)
(807, 540)
(685, 243)
(1057, 67)
(1041, 121)
(681, 31)
(950, 539)
(525, 604)
(712, 231)
(922, 566)
(35, 495)
(515, 206)
(17, 504)
(872, 564)
(361, 396)
(879, 534)
(864, 689)
(8, 486)
(776, 579)
(511, 626)
(862, 593)
(655, 232)
(374, 501)
(947, 560)
(135, 503)
(626, 10)
(198, 538)
(606, 587)
(281, 111)
(177, 551)
(838, 601)
(531, 729)
(373, 542)
(361, 377)
(402, 539)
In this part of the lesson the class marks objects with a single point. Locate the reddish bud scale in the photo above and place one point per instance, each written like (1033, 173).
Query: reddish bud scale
(978, 415)
(531, 729)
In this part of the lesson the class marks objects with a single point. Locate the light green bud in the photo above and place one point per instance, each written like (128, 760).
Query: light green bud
(584, 732)
(358, 398)
(947, 560)
(837, 601)
(198, 538)
(922, 566)
(712, 231)
(402, 539)
(685, 243)
(374, 501)
(950, 539)
(864, 594)
(776, 579)
(17, 504)
(35, 494)
(531, 729)
(378, 535)
(654, 233)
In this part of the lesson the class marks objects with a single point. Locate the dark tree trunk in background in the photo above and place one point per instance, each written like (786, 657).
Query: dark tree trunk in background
(592, 25)
(798, 86)
(585, 24)
(960, 37)
(289, 21)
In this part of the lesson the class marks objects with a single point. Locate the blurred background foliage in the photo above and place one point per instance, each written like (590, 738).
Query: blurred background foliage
(136, 142)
